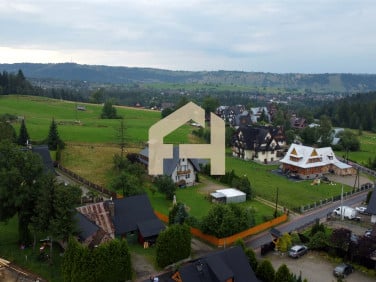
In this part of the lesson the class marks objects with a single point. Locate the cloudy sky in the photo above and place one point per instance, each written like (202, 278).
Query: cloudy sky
(249, 35)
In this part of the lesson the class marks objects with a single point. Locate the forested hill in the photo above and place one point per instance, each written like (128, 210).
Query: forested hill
(350, 83)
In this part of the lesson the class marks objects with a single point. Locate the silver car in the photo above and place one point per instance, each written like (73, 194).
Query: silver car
(297, 251)
(343, 270)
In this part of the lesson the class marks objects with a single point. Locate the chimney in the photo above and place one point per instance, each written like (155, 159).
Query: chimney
(111, 208)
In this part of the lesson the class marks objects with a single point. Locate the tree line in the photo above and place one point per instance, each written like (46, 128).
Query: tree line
(356, 112)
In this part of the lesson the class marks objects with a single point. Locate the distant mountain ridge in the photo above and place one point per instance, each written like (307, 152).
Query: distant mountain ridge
(327, 82)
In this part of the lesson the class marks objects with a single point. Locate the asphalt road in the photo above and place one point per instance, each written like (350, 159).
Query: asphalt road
(255, 242)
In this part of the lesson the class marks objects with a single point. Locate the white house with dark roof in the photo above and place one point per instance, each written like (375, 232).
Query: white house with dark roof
(309, 163)
(181, 170)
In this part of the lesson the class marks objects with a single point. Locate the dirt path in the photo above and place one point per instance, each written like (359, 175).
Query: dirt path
(210, 186)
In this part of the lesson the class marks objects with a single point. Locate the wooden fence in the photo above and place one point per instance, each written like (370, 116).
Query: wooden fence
(87, 183)
(222, 242)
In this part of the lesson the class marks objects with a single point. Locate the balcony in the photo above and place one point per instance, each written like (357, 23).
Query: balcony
(180, 172)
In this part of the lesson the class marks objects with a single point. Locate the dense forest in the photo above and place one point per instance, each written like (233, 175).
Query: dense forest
(356, 112)
(11, 83)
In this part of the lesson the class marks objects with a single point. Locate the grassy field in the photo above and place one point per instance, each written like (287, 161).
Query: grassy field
(92, 144)
(77, 126)
(367, 148)
(265, 181)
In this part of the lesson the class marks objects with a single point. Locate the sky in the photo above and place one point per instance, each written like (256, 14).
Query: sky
(280, 36)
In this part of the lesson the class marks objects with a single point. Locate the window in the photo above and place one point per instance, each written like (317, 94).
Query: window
(187, 176)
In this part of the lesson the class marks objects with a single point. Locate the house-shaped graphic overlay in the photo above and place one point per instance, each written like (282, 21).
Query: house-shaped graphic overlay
(215, 151)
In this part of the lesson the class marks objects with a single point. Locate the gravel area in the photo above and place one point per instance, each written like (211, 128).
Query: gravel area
(315, 267)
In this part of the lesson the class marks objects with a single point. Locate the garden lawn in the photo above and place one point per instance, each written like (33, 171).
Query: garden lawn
(198, 204)
(28, 257)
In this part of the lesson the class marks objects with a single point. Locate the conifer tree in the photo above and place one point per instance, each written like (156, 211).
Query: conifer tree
(53, 140)
(23, 137)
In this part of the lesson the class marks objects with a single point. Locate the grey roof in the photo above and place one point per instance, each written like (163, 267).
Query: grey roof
(134, 212)
(150, 228)
(170, 164)
(86, 227)
(219, 266)
(371, 208)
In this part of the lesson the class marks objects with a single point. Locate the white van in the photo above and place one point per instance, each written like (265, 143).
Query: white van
(347, 212)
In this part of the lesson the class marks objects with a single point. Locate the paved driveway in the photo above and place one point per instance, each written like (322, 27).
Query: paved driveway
(313, 266)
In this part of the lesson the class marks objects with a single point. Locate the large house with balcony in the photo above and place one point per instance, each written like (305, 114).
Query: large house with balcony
(259, 143)
(309, 163)
(181, 170)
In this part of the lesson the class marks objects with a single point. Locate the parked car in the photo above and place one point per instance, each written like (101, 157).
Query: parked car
(343, 270)
(361, 210)
(297, 251)
(368, 233)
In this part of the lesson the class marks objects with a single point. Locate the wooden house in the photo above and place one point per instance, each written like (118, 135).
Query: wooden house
(130, 217)
(309, 163)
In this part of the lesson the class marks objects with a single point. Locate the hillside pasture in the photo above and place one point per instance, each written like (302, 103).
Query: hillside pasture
(74, 125)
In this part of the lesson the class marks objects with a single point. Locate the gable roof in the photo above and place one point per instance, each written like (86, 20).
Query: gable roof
(134, 212)
(256, 137)
(371, 208)
(169, 164)
(150, 227)
(219, 266)
(99, 214)
(86, 227)
(303, 156)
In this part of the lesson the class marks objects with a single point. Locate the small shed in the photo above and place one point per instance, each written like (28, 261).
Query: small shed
(229, 195)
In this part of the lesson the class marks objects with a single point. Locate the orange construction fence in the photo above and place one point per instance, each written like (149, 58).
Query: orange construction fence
(219, 242)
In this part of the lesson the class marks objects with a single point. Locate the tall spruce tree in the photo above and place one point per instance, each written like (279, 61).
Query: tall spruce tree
(23, 137)
(53, 140)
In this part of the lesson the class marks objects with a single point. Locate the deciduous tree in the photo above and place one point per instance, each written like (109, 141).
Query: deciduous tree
(283, 274)
(265, 271)
(21, 172)
(109, 111)
(173, 244)
(166, 186)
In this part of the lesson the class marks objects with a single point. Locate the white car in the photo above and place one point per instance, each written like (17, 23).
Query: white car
(361, 209)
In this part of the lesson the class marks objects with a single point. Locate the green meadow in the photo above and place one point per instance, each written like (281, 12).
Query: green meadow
(291, 194)
(77, 126)
(367, 148)
(82, 128)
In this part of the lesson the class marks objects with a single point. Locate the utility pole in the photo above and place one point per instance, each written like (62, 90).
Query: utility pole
(276, 205)
(342, 203)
